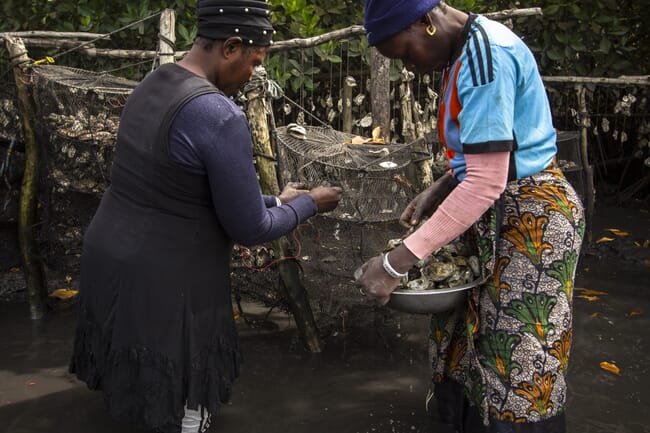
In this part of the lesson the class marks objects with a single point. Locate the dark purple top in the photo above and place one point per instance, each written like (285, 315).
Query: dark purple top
(210, 135)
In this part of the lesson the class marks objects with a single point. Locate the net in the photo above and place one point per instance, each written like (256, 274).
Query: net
(374, 177)
(80, 112)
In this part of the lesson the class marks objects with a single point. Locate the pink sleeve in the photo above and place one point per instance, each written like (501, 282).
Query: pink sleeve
(487, 175)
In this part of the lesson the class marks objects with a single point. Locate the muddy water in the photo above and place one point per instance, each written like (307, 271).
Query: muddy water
(372, 376)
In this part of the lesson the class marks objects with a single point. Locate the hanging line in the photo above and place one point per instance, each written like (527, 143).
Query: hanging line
(306, 111)
(107, 35)
(126, 66)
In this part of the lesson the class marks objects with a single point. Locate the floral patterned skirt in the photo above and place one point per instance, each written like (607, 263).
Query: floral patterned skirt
(506, 351)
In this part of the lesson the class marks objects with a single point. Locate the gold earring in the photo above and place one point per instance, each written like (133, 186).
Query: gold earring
(431, 30)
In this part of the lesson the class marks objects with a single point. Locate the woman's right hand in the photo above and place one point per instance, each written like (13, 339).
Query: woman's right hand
(425, 203)
(326, 197)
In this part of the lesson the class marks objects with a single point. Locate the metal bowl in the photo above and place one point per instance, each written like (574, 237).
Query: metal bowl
(430, 301)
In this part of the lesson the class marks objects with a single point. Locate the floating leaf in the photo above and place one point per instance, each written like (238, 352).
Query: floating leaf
(604, 239)
(636, 312)
(618, 232)
(594, 315)
(612, 368)
(236, 314)
(589, 292)
(588, 298)
(63, 293)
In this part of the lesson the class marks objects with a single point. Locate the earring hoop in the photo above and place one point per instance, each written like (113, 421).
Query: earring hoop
(431, 30)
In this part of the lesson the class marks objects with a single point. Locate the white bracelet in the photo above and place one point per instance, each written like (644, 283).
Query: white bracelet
(278, 202)
(390, 270)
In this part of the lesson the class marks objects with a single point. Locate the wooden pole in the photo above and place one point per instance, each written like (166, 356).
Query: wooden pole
(590, 193)
(33, 268)
(348, 84)
(55, 35)
(295, 293)
(167, 37)
(380, 92)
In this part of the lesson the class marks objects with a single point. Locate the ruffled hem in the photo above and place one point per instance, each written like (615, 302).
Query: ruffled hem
(147, 389)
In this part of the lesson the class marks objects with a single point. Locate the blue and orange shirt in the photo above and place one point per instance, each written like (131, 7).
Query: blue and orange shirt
(494, 101)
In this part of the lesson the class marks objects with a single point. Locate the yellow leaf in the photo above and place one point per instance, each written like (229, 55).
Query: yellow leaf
(589, 292)
(588, 298)
(636, 312)
(237, 315)
(63, 293)
(612, 368)
(594, 315)
(637, 244)
(646, 243)
(604, 239)
(14, 270)
(618, 232)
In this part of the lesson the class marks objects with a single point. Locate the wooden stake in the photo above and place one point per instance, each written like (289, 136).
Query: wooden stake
(294, 291)
(167, 37)
(33, 268)
(590, 193)
(380, 92)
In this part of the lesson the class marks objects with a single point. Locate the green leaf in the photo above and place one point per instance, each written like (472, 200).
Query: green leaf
(605, 45)
(555, 54)
(551, 10)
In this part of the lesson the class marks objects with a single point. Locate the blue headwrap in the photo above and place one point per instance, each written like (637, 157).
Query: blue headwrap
(385, 18)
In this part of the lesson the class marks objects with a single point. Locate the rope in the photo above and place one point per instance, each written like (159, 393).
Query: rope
(107, 35)
(127, 66)
(307, 112)
(168, 41)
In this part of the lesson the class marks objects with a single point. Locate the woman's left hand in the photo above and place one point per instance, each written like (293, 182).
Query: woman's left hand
(375, 283)
(293, 190)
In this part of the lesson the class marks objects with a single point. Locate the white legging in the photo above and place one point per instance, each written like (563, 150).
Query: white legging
(195, 421)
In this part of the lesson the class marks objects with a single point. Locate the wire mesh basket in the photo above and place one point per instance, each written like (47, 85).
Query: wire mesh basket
(80, 112)
(373, 176)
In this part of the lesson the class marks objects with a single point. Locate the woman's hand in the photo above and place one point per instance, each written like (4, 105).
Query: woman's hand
(293, 190)
(425, 203)
(326, 197)
(376, 283)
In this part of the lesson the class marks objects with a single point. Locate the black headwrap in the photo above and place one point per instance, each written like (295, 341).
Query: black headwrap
(249, 19)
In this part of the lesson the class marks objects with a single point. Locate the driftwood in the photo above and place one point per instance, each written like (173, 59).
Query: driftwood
(294, 291)
(33, 268)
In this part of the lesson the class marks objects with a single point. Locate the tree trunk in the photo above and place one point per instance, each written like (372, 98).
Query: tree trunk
(294, 291)
(27, 215)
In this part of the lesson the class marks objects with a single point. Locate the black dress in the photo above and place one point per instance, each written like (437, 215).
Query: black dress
(156, 329)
